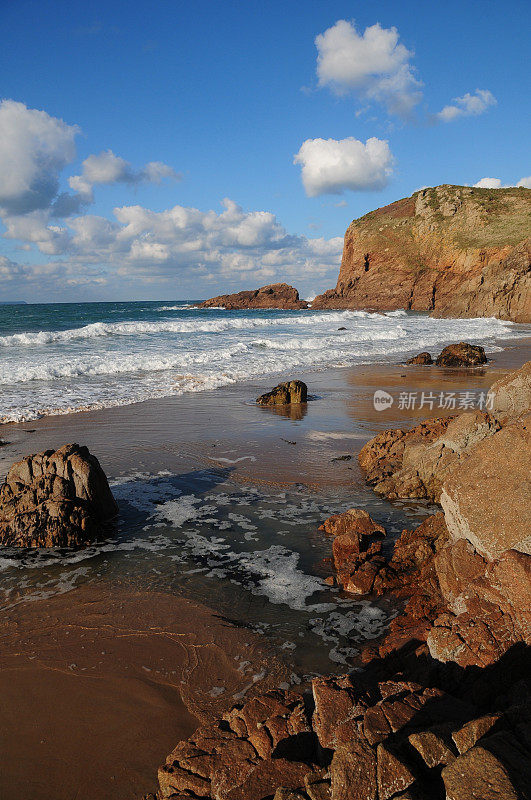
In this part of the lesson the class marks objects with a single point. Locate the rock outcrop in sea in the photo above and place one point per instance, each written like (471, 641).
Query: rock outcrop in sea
(442, 706)
(55, 498)
(289, 393)
(456, 251)
(275, 296)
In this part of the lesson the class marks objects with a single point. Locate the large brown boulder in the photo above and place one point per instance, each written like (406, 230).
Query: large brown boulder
(461, 355)
(289, 393)
(274, 296)
(486, 498)
(511, 395)
(55, 498)
(414, 463)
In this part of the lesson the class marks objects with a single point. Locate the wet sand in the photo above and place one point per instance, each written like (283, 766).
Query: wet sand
(99, 684)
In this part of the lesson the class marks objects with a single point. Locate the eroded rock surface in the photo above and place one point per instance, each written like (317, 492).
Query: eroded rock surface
(456, 251)
(55, 498)
(511, 396)
(289, 393)
(461, 355)
(275, 295)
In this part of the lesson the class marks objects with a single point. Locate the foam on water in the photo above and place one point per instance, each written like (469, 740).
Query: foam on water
(51, 366)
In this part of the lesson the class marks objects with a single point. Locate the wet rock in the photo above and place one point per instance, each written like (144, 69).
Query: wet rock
(497, 469)
(55, 499)
(422, 358)
(356, 548)
(511, 396)
(292, 392)
(461, 355)
(353, 521)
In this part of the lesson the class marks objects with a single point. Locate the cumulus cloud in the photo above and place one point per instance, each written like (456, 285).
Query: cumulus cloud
(330, 166)
(374, 65)
(469, 105)
(495, 183)
(108, 168)
(179, 243)
(34, 149)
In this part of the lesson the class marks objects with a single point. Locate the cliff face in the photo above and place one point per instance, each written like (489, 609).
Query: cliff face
(276, 295)
(456, 251)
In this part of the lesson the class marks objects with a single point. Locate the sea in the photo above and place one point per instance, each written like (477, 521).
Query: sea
(66, 357)
(251, 551)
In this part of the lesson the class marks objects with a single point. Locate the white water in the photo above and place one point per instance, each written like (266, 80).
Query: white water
(163, 350)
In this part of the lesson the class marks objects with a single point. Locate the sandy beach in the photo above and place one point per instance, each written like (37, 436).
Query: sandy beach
(104, 671)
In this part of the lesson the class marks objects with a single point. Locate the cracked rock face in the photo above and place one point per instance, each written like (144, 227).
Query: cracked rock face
(456, 251)
(55, 498)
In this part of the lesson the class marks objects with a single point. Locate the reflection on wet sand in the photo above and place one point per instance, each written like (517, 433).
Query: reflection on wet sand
(294, 412)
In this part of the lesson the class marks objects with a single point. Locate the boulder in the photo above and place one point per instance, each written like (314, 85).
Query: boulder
(415, 463)
(292, 392)
(510, 397)
(461, 355)
(486, 498)
(422, 358)
(55, 499)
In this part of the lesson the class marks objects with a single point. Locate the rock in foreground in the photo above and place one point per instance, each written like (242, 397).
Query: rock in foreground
(55, 499)
(462, 355)
(290, 393)
(422, 358)
(276, 295)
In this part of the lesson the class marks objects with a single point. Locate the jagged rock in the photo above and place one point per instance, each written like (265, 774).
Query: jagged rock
(275, 295)
(355, 521)
(415, 463)
(461, 355)
(356, 548)
(481, 773)
(393, 775)
(467, 736)
(353, 772)
(432, 746)
(475, 496)
(292, 392)
(422, 358)
(55, 499)
(511, 396)
(456, 251)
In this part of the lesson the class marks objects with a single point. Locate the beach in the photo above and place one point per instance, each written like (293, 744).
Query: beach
(217, 552)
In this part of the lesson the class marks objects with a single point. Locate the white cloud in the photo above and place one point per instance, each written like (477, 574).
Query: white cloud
(488, 183)
(329, 166)
(495, 183)
(34, 149)
(375, 65)
(469, 105)
(180, 243)
(107, 168)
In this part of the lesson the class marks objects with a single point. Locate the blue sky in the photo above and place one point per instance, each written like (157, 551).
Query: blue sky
(222, 97)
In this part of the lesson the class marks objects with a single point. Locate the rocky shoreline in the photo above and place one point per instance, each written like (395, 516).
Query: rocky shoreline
(442, 707)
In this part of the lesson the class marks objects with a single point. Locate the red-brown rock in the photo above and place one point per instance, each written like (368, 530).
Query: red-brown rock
(275, 296)
(461, 355)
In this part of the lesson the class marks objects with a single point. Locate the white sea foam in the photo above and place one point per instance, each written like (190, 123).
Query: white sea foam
(106, 364)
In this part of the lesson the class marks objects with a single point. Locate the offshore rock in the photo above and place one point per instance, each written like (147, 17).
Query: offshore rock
(55, 499)
(290, 393)
(422, 358)
(276, 295)
(461, 355)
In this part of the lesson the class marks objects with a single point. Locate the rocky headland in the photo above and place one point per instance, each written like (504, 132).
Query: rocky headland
(456, 251)
(442, 706)
(274, 296)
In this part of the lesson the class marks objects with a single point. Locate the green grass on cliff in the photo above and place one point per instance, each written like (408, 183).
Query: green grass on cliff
(484, 217)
